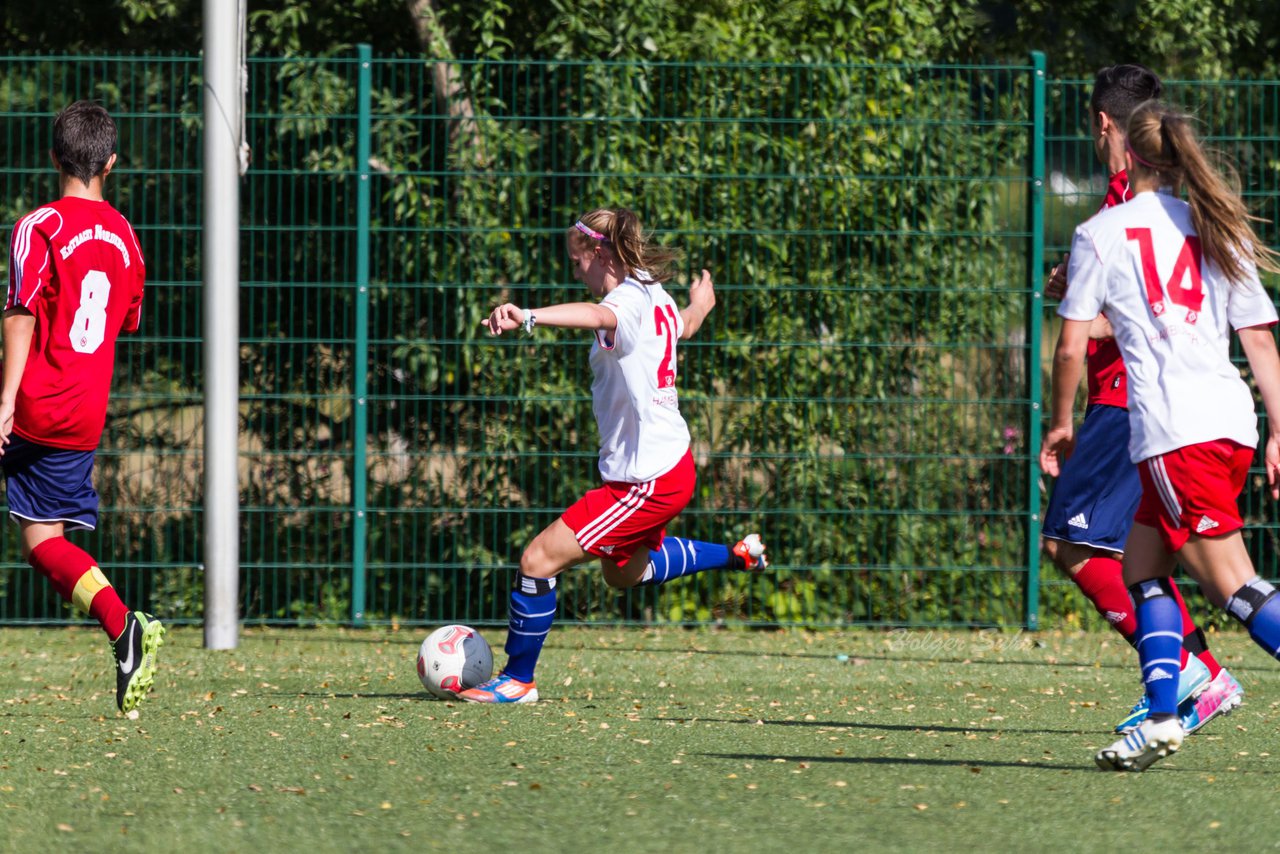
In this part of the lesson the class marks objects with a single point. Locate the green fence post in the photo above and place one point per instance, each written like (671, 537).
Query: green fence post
(360, 411)
(1035, 330)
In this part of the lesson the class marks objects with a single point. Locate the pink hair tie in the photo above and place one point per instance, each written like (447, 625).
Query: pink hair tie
(590, 232)
(1145, 163)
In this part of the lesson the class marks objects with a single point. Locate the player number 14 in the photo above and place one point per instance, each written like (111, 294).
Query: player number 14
(1184, 287)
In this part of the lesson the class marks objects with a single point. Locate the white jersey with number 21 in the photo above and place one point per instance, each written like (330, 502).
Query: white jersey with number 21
(642, 434)
(1172, 310)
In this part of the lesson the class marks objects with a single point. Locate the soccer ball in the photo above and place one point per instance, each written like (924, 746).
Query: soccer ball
(452, 659)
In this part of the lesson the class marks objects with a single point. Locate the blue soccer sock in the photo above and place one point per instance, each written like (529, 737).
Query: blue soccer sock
(679, 557)
(1159, 642)
(1257, 606)
(532, 610)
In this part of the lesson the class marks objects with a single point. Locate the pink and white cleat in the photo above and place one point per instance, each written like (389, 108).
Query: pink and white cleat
(1221, 696)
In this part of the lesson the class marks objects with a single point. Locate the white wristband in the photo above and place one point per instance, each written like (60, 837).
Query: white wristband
(529, 321)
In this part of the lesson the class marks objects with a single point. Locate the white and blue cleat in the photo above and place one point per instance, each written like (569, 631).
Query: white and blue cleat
(1142, 747)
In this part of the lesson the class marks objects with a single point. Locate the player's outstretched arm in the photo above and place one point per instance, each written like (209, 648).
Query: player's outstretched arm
(1259, 345)
(574, 315)
(702, 298)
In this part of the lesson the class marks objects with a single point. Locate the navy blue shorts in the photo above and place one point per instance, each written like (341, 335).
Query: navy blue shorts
(1096, 496)
(50, 484)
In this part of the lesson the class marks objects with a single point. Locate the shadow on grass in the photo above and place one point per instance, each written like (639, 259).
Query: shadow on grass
(854, 658)
(972, 764)
(360, 695)
(885, 727)
(893, 760)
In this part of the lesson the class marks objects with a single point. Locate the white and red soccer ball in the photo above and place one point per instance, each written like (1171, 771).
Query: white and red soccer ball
(452, 659)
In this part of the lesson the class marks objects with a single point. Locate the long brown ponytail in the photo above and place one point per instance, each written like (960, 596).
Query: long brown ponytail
(1162, 142)
(620, 230)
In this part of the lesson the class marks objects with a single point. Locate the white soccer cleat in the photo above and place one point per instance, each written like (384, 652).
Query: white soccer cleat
(1138, 750)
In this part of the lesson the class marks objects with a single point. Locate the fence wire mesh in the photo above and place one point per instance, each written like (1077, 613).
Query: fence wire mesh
(867, 392)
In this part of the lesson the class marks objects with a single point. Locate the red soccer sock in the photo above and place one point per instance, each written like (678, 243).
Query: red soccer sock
(1193, 641)
(75, 575)
(1101, 579)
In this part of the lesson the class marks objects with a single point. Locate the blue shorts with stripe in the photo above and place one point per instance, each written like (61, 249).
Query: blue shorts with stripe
(1096, 496)
(46, 484)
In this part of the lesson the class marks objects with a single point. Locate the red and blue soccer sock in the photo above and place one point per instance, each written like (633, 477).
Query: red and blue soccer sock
(76, 576)
(679, 557)
(1101, 580)
(1159, 643)
(531, 612)
(1257, 606)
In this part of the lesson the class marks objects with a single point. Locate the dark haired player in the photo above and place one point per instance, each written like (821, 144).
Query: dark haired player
(1096, 494)
(75, 282)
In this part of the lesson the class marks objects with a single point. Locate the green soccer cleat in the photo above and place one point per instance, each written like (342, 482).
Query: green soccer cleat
(135, 652)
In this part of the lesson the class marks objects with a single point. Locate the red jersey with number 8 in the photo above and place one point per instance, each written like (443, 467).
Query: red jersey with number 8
(75, 264)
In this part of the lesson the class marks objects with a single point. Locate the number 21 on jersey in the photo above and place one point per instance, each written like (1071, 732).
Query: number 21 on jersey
(1185, 288)
(664, 318)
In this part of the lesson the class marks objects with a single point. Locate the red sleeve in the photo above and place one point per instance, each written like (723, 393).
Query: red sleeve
(30, 267)
(133, 318)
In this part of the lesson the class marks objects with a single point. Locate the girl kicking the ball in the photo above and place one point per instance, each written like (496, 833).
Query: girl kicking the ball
(645, 459)
(1175, 278)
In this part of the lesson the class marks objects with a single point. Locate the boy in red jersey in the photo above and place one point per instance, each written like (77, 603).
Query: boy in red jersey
(75, 282)
(1096, 494)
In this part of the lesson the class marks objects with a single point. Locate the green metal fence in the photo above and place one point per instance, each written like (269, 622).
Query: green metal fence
(867, 392)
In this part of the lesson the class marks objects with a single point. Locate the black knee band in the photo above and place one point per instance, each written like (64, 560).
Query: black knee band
(534, 586)
(1195, 643)
(1246, 602)
(1144, 590)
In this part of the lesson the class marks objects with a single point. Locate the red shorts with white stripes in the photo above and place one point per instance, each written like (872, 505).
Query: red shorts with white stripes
(1194, 490)
(616, 520)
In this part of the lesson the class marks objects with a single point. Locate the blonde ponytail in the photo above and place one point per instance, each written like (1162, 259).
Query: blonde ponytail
(1163, 143)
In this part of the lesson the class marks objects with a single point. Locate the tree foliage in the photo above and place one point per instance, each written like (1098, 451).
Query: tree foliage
(848, 188)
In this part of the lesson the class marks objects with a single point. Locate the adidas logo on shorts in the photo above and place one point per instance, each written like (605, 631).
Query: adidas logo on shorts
(1078, 521)
(1205, 524)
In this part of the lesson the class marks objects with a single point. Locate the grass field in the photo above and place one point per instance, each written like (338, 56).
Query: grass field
(654, 740)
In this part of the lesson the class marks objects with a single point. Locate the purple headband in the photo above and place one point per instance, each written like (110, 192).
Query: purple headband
(590, 232)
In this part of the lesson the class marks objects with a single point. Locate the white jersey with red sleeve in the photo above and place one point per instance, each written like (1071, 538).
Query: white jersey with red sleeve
(642, 434)
(1173, 312)
(75, 264)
